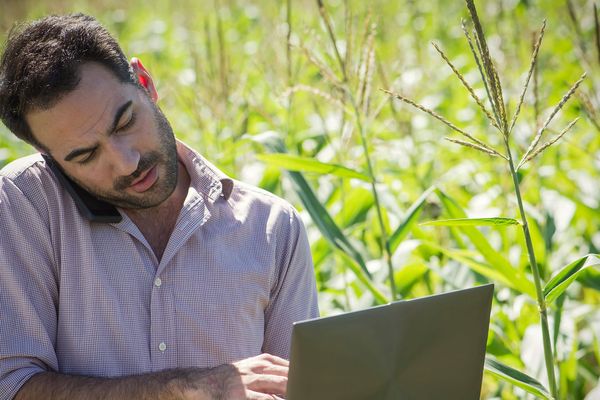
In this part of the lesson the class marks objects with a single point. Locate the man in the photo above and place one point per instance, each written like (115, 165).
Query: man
(130, 267)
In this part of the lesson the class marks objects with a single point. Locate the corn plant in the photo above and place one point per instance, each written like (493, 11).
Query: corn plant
(282, 96)
(590, 57)
(499, 119)
(350, 81)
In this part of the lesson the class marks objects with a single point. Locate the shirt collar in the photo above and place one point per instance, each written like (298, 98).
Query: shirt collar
(204, 176)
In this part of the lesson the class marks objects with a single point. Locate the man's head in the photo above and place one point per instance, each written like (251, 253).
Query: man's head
(41, 62)
(67, 88)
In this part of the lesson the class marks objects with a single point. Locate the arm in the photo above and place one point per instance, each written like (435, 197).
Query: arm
(253, 378)
(294, 295)
(29, 366)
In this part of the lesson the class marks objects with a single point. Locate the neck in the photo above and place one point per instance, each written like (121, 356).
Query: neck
(157, 223)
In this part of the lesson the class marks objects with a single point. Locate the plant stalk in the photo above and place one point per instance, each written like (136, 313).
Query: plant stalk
(384, 239)
(548, 353)
(385, 243)
(362, 129)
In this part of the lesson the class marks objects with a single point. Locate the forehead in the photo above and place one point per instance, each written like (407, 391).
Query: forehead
(82, 114)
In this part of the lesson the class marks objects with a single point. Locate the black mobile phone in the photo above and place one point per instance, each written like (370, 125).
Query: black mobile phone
(92, 208)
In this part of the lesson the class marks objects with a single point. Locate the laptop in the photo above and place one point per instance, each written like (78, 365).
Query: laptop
(427, 348)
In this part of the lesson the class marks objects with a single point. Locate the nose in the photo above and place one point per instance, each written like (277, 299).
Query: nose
(124, 158)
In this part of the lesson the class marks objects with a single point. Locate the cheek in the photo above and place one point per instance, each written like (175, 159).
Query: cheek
(95, 177)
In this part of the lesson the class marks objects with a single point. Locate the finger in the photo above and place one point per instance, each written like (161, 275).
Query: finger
(269, 384)
(275, 359)
(252, 395)
(275, 370)
(264, 364)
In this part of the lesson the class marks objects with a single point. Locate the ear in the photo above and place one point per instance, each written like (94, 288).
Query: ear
(144, 77)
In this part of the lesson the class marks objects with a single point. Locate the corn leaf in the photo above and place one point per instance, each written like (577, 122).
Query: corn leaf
(538, 242)
(468, 259)
(408, 220)
(270, 179)
(517, 378)
(496, 221)
(332, 232)
(590, 278)
(596, 346)
(305, 164)
(320, 216)
(492, 258)
(410, 275)
(320, 250)
(377, 294)
(357, 203)
(563, 278)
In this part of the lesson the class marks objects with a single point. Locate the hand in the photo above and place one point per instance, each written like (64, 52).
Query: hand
(263, 377)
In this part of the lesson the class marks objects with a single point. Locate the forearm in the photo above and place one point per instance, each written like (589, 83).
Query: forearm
(178, 384)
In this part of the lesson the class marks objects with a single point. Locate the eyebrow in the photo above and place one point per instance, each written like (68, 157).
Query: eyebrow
(120, 111)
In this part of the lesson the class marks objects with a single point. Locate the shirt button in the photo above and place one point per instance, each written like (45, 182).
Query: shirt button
(157, 282)
(162, 346)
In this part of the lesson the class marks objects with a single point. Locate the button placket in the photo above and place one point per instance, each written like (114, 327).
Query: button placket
(159, 318)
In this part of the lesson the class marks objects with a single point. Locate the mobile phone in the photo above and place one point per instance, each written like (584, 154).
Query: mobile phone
(92, 208)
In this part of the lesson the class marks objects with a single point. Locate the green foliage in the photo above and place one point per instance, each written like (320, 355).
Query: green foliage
(302, 115)
(565, 276)
(495, 221)
(518, 378)
(305, 164)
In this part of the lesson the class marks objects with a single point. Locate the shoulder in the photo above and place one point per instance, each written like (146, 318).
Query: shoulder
(27, 179)
(245, 189)
(249, 203)
(23, 169)
(268, 214)
(246, 194)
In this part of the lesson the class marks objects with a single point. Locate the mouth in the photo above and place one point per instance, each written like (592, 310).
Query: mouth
(145, 181)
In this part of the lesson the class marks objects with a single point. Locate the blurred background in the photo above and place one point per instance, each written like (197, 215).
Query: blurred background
(261, 90)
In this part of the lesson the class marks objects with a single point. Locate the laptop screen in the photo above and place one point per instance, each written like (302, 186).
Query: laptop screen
(426, 348)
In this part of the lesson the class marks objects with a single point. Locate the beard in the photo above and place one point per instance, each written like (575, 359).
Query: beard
(164, 158)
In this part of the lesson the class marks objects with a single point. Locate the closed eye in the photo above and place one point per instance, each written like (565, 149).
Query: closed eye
(128, 124)
(90, 151)
(90, 156)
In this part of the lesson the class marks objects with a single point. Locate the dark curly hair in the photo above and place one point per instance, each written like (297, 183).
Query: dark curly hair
(41, 64)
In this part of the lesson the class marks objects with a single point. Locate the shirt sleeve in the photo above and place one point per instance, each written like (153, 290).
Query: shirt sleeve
(294, 297)
(28, 291)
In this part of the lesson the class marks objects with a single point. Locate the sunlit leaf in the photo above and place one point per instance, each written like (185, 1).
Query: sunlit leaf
(512, 280)
(496, 221)
(590, 278)
(323, 219)
(408, 220)
(270, 179)
(517, 378)
(538, 242)
(563, 278)
(358, 202)
(331, 231)
(305, 164)
(493, 258)
(596, 347)
(366, 282)
(321, 250)
(408, 276)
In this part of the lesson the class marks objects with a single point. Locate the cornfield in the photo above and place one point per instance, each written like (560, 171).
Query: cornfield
(429, 146)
